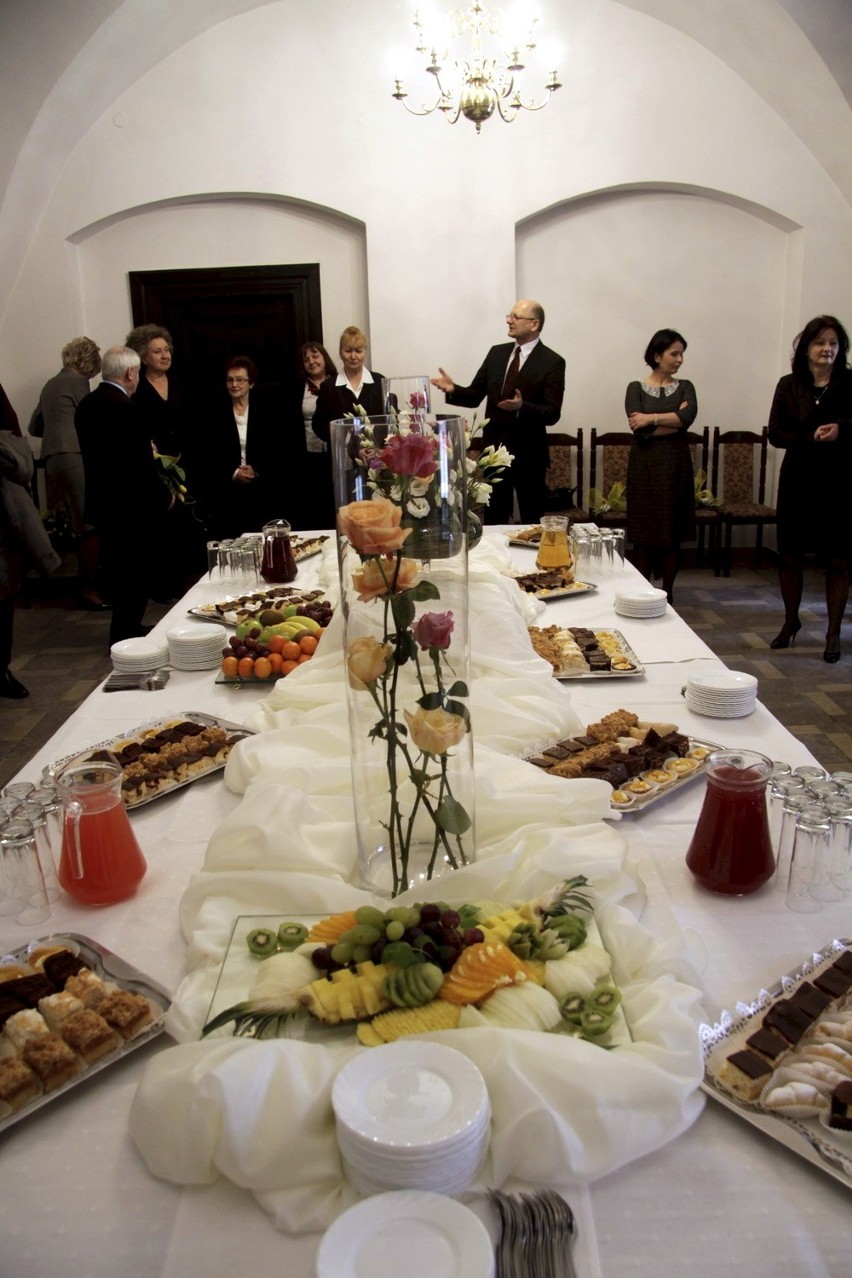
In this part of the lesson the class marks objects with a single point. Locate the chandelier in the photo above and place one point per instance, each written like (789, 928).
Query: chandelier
(481, 81)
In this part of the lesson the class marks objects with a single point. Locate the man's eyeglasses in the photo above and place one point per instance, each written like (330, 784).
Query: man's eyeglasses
(513, 316)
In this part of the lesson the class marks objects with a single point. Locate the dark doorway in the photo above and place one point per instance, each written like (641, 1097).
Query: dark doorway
(262, 311)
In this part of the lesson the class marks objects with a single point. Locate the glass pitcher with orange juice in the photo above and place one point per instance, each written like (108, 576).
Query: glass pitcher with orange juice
(101, 861)
(553, 549)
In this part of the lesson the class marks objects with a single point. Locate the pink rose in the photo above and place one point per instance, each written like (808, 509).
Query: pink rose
(376, 577)
(417, 399)
(435, 731)
(373, 527)
(410, 455)
(433, 630)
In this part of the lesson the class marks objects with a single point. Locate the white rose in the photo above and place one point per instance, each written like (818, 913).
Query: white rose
(418, 507)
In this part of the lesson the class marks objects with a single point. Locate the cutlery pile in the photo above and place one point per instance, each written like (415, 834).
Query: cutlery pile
(537, 1232)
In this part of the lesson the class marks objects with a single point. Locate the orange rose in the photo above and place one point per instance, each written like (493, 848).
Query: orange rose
(373, 527)
(435, 731)
(366, 661)
(375, 576)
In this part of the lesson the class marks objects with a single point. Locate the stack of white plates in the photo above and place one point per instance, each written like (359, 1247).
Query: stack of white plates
(419, 1234)
(640, 601)
(135, 656)
(196, 647)
(728, 694)
(411, 1116)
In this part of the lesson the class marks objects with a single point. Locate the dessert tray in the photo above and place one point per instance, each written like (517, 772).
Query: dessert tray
(104, 1040)
(642, 761)
(180, 749)
(806, 1067)
(527, 536)
(233, 609)
(581, 653)
(552, 584)
(305, 547)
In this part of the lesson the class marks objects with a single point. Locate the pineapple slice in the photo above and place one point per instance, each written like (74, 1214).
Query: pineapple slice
(403, 1021)
(500, 927)
(348, 996)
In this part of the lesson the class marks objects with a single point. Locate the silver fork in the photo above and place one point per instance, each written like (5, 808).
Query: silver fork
(537, 1232)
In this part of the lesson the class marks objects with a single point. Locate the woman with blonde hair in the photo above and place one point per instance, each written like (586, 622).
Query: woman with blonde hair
(355, 385)
(53, 423)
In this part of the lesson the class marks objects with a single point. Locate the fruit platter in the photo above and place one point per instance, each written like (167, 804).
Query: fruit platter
(383, 974)
(163, 755)
(641, 760)
(576, 652)
(68, 1009)
(552, 583)
(270, 644)
(784, 1062)
(234, 609)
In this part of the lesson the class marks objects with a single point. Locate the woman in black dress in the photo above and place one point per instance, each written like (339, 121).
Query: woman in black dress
(811, 419)
(660, 479)
(354, 385)
(313, 505)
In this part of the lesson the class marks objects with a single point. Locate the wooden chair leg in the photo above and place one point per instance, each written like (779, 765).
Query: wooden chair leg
(729, 533)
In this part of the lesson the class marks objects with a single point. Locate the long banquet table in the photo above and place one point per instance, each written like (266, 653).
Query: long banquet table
(78, 1199)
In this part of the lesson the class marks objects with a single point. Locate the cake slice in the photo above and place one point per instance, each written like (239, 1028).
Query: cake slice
(126, 1012)
(24, 1027)
(56, 1007)
(51, 1059)
(18, 1085)
(88, 1034)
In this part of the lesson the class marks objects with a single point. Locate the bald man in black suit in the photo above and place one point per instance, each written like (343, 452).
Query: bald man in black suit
(522, 382)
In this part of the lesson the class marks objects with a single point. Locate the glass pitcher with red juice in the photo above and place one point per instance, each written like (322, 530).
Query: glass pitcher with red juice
(278, 563)
(731, 850)
(100, 861)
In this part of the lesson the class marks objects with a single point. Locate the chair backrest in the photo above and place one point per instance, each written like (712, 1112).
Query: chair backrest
(735, 449)
(614, 446)
(561, 474)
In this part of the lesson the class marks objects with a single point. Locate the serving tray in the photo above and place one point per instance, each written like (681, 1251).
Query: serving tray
(806, 1137)
(138, 734)
(624, 651)
(232, 608)
(111, 967)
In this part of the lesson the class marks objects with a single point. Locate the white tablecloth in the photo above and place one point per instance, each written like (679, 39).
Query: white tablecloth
(77, 1198)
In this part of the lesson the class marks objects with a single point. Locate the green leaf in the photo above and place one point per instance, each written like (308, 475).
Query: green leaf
(452, 816)
(459, 689)
(402, 608)
(423, 590)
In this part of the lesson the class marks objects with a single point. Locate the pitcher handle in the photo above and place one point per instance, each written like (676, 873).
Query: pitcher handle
(75, 811)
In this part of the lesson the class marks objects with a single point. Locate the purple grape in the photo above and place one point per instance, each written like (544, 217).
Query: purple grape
(430, 914)
(473, 936)
(322, 959)
(451, 918)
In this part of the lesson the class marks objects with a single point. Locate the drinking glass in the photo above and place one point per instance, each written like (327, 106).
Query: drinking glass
(618, 543)
(808, 879)
(23, 895)
(223, 560)
(794, 803)
(779, 789)
(808, 772)
(594, 541)
(18, 790)
(212, 559)
(840, 843)
(780, 769)
(33, 812)
(607, 550)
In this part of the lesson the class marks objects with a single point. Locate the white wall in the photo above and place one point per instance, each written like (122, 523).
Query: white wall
(657, 187)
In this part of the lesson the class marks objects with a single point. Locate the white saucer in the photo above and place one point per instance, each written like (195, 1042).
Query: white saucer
(419, 1234)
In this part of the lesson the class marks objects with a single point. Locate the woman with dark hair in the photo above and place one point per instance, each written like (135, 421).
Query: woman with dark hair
(241, 447)
(811, 419)
(313, 504)
(159, 397)
(660, 480)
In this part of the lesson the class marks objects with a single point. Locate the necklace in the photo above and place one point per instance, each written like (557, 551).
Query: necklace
(819, 391)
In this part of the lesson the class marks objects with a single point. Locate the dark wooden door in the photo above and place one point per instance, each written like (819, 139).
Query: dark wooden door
(266, 312)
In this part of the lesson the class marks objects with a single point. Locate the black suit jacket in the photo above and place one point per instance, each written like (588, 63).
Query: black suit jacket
(542, 386)
(334, 402)
(125, 496)
(232, 507)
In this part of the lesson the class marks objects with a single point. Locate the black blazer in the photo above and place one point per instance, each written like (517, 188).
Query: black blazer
(231, 507)
(124, 493)
(542, 386)
(335, 401)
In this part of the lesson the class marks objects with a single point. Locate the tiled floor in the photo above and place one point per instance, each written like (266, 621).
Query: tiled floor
(60, 654)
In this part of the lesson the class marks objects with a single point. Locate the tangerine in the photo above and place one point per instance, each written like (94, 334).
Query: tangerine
(308, 644)
(245, 668)
(290, 651)
(262, 668)
(276, 661)
(230, 667)
(287, 666)
(276, 643)
(306, 656)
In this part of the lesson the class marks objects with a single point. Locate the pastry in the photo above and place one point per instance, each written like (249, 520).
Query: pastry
(56, 1007)
(89, 1035)
(25, 1026)
(18, 1084)
(745, 1074)
(840, 1108)
(88, 987)
(126, 1012)
(52, 1060)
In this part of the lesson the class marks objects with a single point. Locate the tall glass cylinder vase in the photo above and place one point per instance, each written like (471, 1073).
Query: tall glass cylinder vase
(402, 547)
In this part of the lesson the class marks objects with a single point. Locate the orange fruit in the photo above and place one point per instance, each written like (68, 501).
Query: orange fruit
(276, 643)
(287, 666)
(306, 656)
(290, 651)
(276, 661)
(230, 667)
(262, 668)
(245, 668)
(308, 644)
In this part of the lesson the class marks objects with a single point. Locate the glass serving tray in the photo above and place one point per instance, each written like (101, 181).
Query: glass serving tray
(830, 1152)
(233, 608)
(111, 967)
(624, 651)
(239, 970)
(167, 785)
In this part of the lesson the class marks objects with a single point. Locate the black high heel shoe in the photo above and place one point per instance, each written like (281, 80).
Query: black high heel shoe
(786, 636)
(832, 649)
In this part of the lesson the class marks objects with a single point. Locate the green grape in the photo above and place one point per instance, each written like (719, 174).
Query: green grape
(369, 915)
(395, 930)
(343, 952)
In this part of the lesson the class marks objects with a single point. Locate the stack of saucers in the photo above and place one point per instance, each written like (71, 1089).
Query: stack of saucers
(727, 694)
(640, 601)
(197, 647)
(136, 656)
(411, 1116)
